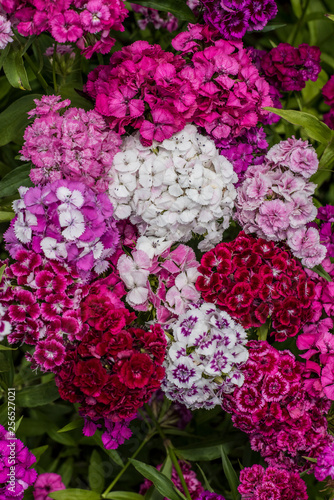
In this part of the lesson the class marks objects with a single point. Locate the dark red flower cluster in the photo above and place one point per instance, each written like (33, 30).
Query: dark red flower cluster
(288, 68)
(114, 368)
(328, 93)
(283, 420)
(253, 279)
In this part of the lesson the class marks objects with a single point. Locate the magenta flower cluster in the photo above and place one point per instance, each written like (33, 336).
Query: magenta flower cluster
(16, 460)
(233, 18)
(76, 145)
(328, 93)
(70, 20)
(67, 222)
(257, 483)
(217, 88)
(289, 68)
(325, 464)
(283, 420)
(275, 200)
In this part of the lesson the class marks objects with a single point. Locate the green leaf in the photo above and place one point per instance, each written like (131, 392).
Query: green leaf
(206, 482)
(202, 453)
(15, 71)
(271, 27)
(6, 216)
(95, 472)
(330, 16)
(177, 7)
(4, 54)
(37, 395)
(72, 425)
(312, 125)
(321, 272)
(14, 119)
(75, 494)
(5, 348)
(16, 178)
(18, 423)
(2, 270)
(161, 482)
(66, 470)
(124, 495)
(230, 474)
(310, 459)
(166, 470)
(38, 452)
(327, 157)
(68, 92)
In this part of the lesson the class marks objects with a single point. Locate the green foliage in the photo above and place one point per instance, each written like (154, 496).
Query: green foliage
(177, 7)
(160, 481)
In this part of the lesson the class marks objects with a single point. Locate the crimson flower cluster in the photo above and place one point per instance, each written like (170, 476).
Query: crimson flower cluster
(157, 92)
(114, 368)
(271, 483)
(232, 18)
(253, 279)
(70, 20)
(328, 93)
(288, 68)
(283, 421)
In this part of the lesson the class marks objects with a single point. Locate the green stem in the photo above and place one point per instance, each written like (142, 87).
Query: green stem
(179, 471)
(300, 22)
(35, 71)
(128, 463)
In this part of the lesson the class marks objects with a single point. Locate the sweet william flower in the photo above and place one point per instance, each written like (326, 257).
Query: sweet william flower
(46, 483)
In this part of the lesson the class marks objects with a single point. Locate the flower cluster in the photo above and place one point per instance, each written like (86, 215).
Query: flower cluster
(275, 200)
(6, 32)
(207, 495)
(67, 222)
(247, 149)
(193, 484)
(76, 145)
(283, 421)
(46, 483)
(70, 21)
(113, 368)
(232, 18)
(217, 88)
(204, 359)
(253, 279)
(325, 464)
(328, 93)
(274, 483)
(15, 462)
(165, 281)
(288, 68)
(172, 189)
(326, 216)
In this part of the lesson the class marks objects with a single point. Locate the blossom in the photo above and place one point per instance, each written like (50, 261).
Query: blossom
(204, 359)
(47, 483)
(172, 189)
(13, 453)
(6, 33)
(325, 463)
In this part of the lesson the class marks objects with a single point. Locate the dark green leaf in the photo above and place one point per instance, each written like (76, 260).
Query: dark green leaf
(72, 425)
(327, 158)
(321, 272)
(230, 474)
(18, 423)
(206, 482)
(4, 54)
(14, 119)
(75, 494)
(66, 471)
(203, 452)
(271, 27)
(5, 348)
(161, 482)
(124, 495)
(37, 395)
(95, 473)
(15, 71)
(177, 7)
(6, 216)
(312, 125)
(16, 178)
(38, 452)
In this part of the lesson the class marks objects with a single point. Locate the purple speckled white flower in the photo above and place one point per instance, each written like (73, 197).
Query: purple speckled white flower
(204, 359)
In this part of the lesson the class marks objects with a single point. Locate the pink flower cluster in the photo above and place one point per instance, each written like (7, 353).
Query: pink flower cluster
(165, 281)
(67, 222)
(325, 464)
(283, 420)
(257, 483)
(328, 93)
(288, 68)
(275, 200)
(70, 20)
(46, 483)
(217, 88)
(326, 230)
(76, 145)
(6, 32)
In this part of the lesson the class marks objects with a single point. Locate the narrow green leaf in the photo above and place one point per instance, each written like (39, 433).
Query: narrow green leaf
(16, 178)
(321, 272)
(203, 452)
(271, 27)
(177, 7)
(312, 125)
(2, 270)
(38, 452)
(230, 474)
(66, 470)
(14, 119)
(161, 482)
(330, 16)
(310, 459)
(15, 71)
(124, 495)
(206, 482)
(72, 425)
(37, 395)
(5, 348)
(4, 54)
(74, 494)
(18, 423)
(327, 157)
(95, 472)
(166, 470)
(6, 216)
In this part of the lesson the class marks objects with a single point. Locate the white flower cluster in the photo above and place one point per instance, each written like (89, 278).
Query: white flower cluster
(203, 362)
(172, 189)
